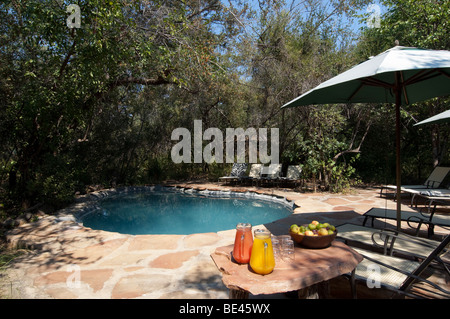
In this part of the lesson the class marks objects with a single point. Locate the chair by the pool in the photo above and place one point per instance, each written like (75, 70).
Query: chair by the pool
(237, 172)
(433, 181)
(254, 175)
(395, 274)
(433, 201)
(390, 242)
(271, 174)
(438, 195)
(429, 219)
(293, 175)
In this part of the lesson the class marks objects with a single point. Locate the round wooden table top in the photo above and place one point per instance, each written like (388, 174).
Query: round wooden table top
(311, 266)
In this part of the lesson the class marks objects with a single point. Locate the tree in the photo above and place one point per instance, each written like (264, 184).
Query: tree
(422, 24)
(59, 83)
(296, 46)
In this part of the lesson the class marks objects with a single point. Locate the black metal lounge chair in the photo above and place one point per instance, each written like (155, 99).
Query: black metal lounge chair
(432, 198)
(418, 218)
(293, 175)
(237, 172)
(390, 242)
(395, 274)
(271, 174)
(254, 175)
(433, 181)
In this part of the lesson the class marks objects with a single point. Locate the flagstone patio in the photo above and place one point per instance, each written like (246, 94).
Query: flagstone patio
(66, 260)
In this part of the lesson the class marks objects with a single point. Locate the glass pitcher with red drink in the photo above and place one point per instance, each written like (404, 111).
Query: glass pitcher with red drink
(243, 243)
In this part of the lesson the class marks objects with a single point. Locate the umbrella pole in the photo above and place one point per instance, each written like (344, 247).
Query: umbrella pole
(398, 170)
(398, 92)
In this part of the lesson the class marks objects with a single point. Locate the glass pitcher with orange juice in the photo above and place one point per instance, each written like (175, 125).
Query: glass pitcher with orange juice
(262, 260)
(243, 243)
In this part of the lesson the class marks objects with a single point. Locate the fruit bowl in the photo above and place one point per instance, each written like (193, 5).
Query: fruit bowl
(313, 241)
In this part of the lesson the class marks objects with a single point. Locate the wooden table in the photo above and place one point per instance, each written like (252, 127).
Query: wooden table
(308, 273)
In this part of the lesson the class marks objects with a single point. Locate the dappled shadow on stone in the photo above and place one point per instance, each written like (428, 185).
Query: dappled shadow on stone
(113, 265)
(203, 280)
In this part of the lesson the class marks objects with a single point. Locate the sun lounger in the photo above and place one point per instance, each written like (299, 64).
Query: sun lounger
(389, 241)
(441, 195)
(393, 273)
(237, 172)
(254, 175)
(433, 181)
(433, 201)
(271, 174)
(419, 218)
(441, 192)
(293, 175)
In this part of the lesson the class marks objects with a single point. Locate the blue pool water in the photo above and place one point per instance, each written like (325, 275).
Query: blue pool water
(177, 213)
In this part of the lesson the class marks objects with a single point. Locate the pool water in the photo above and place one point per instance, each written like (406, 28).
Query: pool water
(176, 213)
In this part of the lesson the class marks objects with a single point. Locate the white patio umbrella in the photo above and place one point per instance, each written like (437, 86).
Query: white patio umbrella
(400, 75)
(439, 118)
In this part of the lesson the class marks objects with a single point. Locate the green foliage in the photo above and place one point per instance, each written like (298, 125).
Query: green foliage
(79, 95)
(97, 104)
(324, 139)
(343, 175)
(423, 24)
(419, 23)
(414, 23)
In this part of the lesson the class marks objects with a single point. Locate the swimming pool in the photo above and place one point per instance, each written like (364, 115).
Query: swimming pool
(160, 212)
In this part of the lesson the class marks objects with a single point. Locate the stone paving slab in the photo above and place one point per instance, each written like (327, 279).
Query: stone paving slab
(71, 261)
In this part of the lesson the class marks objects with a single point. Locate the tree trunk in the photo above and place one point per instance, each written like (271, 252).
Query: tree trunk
(436, 145)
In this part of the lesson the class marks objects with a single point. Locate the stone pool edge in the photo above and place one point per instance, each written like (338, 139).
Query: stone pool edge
(88, 203)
